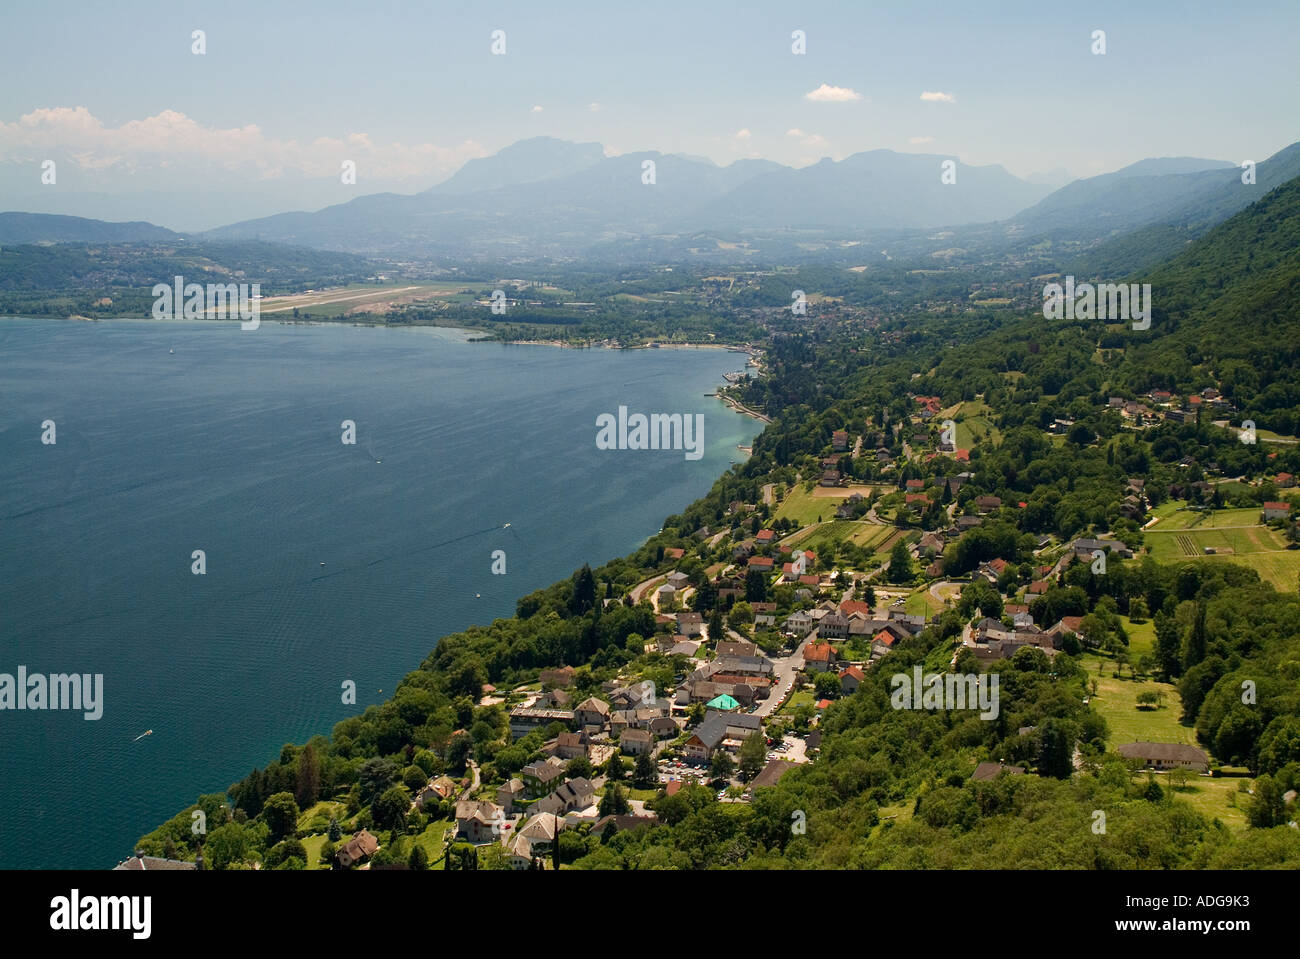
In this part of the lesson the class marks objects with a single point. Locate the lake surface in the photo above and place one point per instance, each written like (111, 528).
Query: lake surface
(232, 445)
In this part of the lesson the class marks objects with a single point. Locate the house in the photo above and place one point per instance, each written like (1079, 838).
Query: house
(840, 440)
(535, 840)
(509, 795)
(723, 703)
(665, 596)
(987, 771)
(720, 730)
(542, 775)
(592, 712)
(851, 607)
(1276, 510)
(360, 847)
(523, 720)
(571, 745)
(764, 564)
(479, 821)
(1284, 480)
(833, 625)
(576, 794)
(726, 647)
(1166, 755)
(914, 485)
(558, 677)
(771, 774)
(440, 789)
(764, 614)
(674, 552)
(830, 478)
(986, 504)
(851, 679)
(636, 741)
(818, 657)
(554, 699)
(931, 544)
(664, 728)
(690, 624)
(798, 623)
(882, 643)
(678, 580)
(765, 537)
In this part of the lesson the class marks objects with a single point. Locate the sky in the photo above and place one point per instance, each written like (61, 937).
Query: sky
(285, 91)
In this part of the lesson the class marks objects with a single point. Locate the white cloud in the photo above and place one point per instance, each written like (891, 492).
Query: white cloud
(537, 109)
(742, 134)
(171, 139)
(593, 107)
(794, 132)
(829, 94)
(918, 140)
(937, 97)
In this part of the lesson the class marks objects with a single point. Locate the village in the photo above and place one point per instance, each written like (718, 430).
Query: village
(764, 632)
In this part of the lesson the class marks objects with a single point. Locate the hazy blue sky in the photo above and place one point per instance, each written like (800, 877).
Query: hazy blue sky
(410, 89)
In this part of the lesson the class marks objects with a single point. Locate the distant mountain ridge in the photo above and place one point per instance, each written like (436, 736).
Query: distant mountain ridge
(25, 228)
(569, 197)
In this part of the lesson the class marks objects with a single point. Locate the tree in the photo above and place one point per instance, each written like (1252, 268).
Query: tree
(614, 802)
(721, 765)
(755, 587)
(280, 815)
(1168, 659)
(900, 564)
(584, 591)
(1266, 808)
(579, 766)
(827, 685)
(419, 860)
(615, 768)
(390, 809)
(1056, 749)
(753, 755)
(335, 832)
(307, 789)
(644, 773)
(227, 845)
(283, 853)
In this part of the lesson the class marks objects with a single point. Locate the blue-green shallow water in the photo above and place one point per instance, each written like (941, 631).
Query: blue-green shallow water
(232, 445)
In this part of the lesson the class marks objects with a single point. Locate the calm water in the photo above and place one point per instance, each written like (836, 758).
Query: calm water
(232, 445)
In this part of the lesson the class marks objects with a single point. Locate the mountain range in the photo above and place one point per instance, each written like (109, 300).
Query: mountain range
(549, 197)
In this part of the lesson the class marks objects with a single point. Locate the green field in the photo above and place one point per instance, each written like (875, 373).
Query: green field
(975, 427)
(804, 507)
(1203, 519)
(867, 535)
(1116, 701)
(1235, 536)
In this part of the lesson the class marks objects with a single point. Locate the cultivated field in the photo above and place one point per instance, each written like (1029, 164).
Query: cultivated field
(1235, 535)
